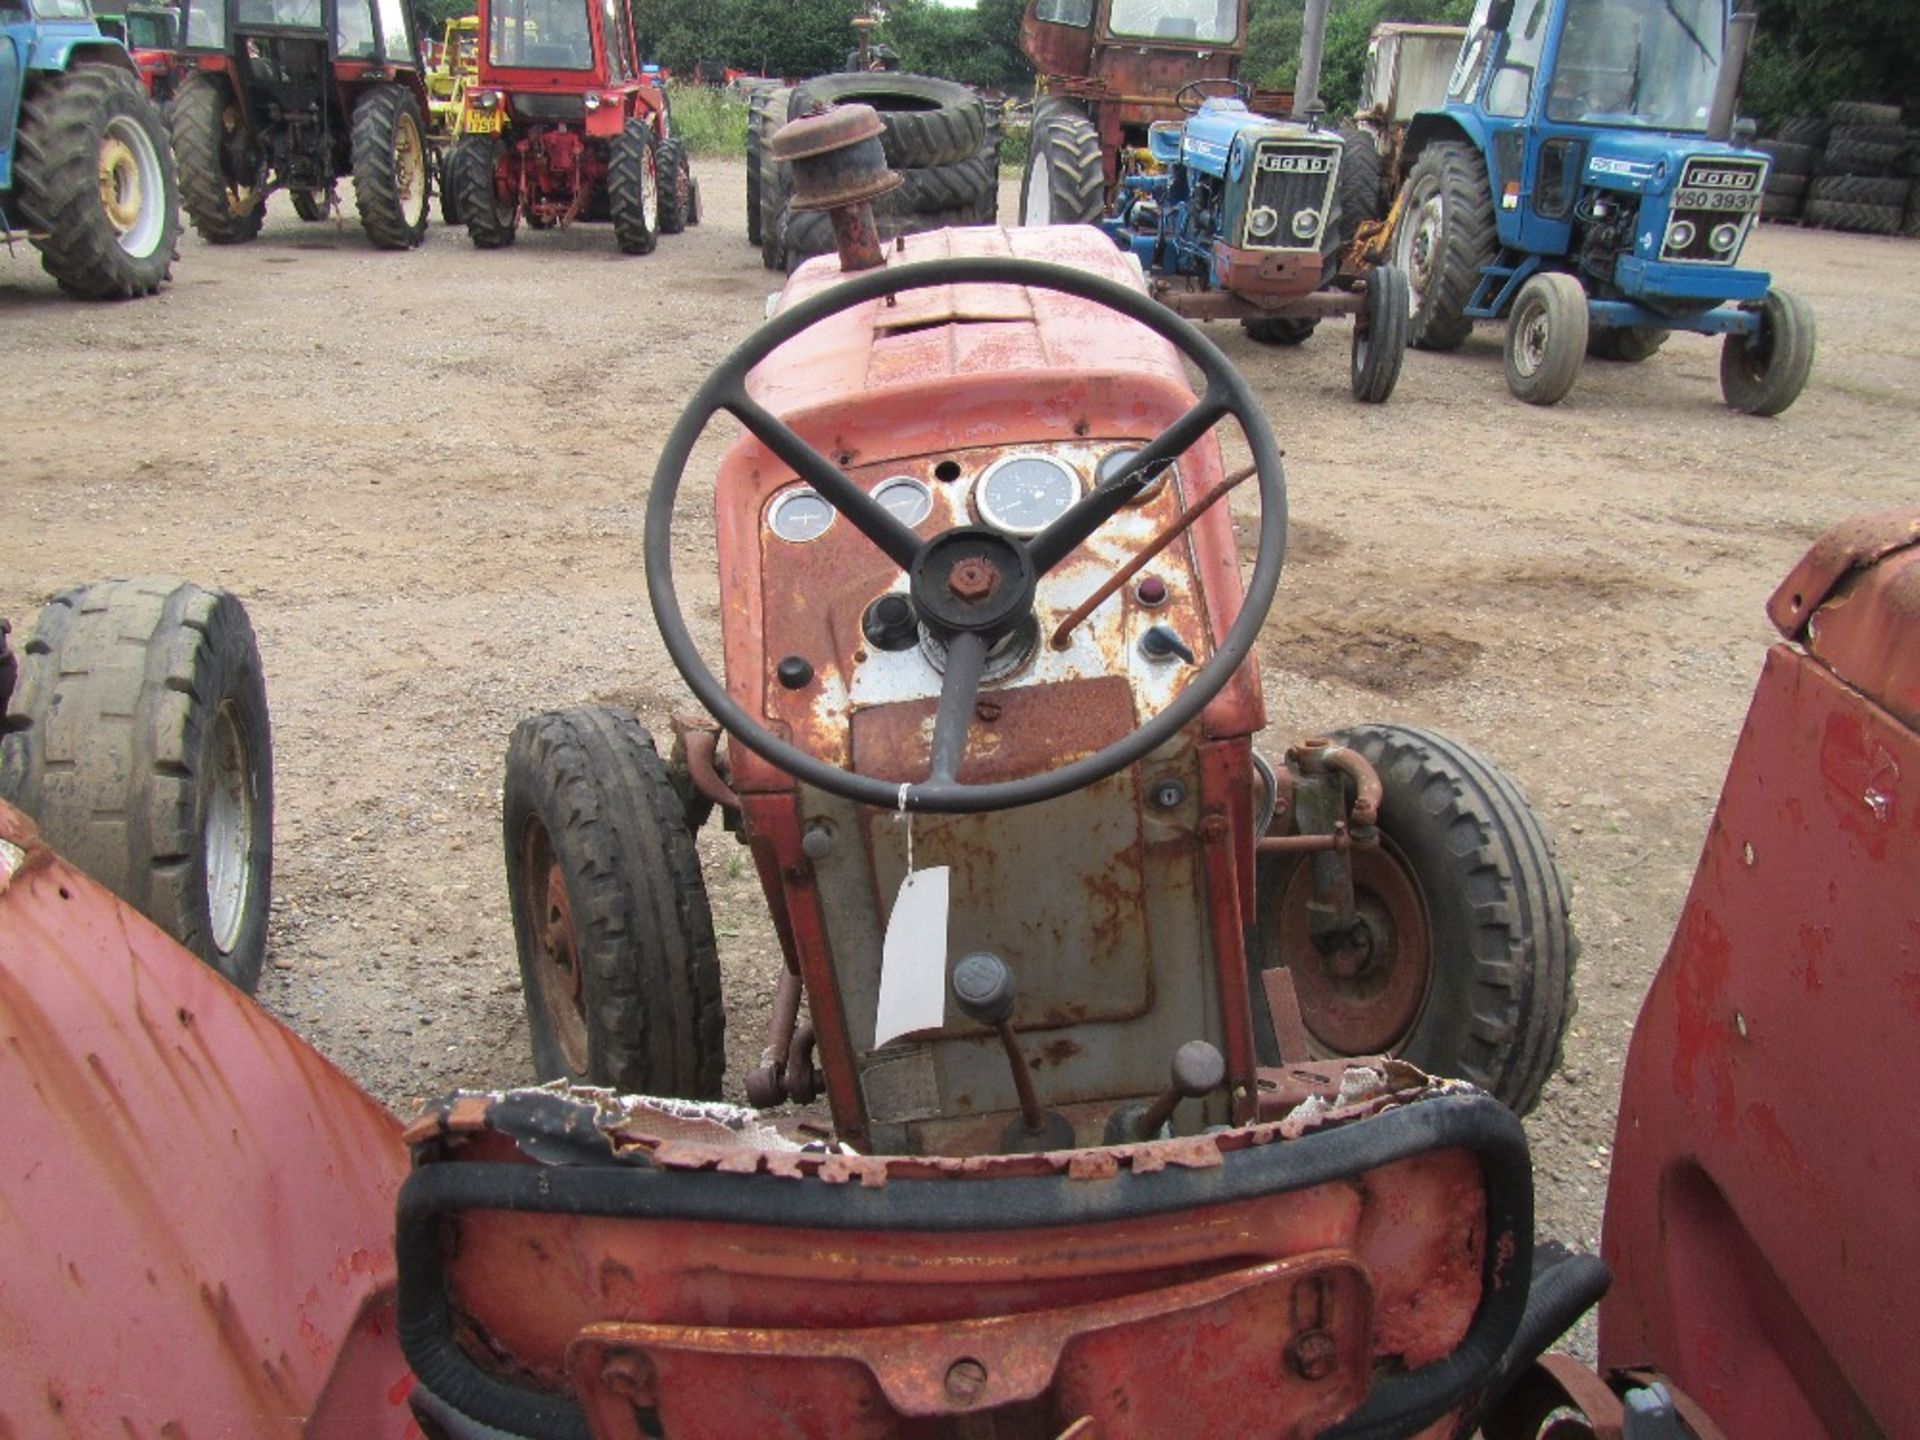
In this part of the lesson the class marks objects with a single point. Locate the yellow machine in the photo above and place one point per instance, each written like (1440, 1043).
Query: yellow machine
(449, 72)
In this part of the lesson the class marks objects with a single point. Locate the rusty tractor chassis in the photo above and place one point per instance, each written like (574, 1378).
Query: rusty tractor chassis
(564, 123)
(204, 1239)
(1120, 65)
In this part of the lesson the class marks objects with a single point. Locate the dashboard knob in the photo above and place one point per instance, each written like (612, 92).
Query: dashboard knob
(890, 623)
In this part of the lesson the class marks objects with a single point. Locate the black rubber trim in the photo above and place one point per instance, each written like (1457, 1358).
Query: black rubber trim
(1398, 1404)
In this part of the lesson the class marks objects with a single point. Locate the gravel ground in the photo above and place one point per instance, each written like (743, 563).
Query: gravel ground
(425, 474)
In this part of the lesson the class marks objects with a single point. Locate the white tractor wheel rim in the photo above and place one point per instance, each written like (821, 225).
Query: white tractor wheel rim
(131, 186)
(1039, 206)
(228, 832)
(649, 185)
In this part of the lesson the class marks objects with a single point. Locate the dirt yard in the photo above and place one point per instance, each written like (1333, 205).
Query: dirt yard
(426, 473)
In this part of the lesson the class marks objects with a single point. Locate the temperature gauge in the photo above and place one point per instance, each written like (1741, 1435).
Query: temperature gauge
(905, 498)
(800, 515)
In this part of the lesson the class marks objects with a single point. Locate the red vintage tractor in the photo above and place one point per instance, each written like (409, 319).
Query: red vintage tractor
(1087, 1172)
(295, 95)
(564, 123)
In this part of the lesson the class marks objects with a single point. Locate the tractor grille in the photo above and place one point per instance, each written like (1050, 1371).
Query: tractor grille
(550, 107)
(1290, 177)
(1713, 193)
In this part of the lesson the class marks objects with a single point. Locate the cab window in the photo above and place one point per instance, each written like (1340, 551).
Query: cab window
(1511, 89)
(1065, 12)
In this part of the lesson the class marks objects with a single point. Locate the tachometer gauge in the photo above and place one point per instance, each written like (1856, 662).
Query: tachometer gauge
(1116, 463)
(1023, 494)
(800, 515)
(905, 498)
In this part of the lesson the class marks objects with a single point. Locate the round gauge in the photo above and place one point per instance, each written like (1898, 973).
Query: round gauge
(1116, 463)
(1023, 494)
(905, 498)
(800, 515)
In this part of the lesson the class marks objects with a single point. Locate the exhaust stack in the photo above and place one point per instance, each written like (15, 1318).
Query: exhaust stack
(1726, 89)
(839, 167)
(1306, 82)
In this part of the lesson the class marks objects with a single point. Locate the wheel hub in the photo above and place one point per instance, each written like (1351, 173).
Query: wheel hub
(409, 161)
(227, 832)
(121, 192)
(557, 978)
(1531, 351)
(1362, 993)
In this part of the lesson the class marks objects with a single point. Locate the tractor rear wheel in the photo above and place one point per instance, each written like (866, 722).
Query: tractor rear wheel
(1464, 962)
(95, 176)
(138, 741)
(1380, 336)
(1764, 373)
(1546, 338)
(610, 916)
(1359, 188)
(1445, 238)
(633, 189)
(390, 168)
(311, 205)
(676, 186)
(1065, 181)
(1629, 344)
(219, 164)
(756, 113)
(473, 171)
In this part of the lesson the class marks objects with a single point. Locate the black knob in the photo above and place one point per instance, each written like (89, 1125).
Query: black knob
(795, 672)
(1160, 641)
(983, 988)
(890, 623)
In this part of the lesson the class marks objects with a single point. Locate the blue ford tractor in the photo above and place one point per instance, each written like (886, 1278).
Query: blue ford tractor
(1232, 213)
(1579, 183)
(85, 167)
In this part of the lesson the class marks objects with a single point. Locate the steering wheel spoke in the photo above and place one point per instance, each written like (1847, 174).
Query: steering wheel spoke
(867, 515)
(953, 720)
(1070, 531)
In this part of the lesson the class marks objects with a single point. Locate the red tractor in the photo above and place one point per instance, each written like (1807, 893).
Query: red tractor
(1095, 1166)
(151, 34)
(564, 123)
(294, 95)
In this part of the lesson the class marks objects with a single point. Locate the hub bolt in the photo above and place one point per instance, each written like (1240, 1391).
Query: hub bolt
(1313, 1354)
(972, 579)
(966, 1380)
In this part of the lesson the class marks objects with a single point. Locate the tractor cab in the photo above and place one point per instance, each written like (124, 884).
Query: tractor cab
(1589, 148)
(563, 122)
(295, 95)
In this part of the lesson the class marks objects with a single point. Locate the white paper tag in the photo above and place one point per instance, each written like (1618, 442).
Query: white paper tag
(913, 958)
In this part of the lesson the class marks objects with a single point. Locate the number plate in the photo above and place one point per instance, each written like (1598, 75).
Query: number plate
(482, 122)
(1732, 201)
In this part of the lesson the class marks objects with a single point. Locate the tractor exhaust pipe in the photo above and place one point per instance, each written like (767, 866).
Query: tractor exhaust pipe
(1313, 36)
(839, 167)
(1726, 89)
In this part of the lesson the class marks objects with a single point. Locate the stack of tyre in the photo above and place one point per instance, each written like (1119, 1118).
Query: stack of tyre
(1853, 170)
(940, 138)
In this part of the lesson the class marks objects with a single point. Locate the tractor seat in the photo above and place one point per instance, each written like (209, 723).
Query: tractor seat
(579, 1264)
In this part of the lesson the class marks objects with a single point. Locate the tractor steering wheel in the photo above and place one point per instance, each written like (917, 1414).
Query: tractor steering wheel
(973, 620)
(1229, 90)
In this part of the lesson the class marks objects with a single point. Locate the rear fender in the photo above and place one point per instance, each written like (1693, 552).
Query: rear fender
(57, 52)
(1431, 126)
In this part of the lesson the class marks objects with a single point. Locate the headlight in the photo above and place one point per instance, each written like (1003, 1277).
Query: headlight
(1724, 237)
(1680, 234)
(1263, 221)
(1305, 223)
(593, 102)
(483, 99)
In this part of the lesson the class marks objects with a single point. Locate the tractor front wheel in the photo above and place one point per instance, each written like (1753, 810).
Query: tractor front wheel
(390, 168)
(676, 186)
(1628, 344)
(1065, 181)
(137, 739)
(633, 189)
(610, 916)
(1546, 338)
(473, 167)
(219, 164)
(1380, 336)
(94, 172)
(1281, 329)
(1462, 959)
(1444, 239)
(1763, 373)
